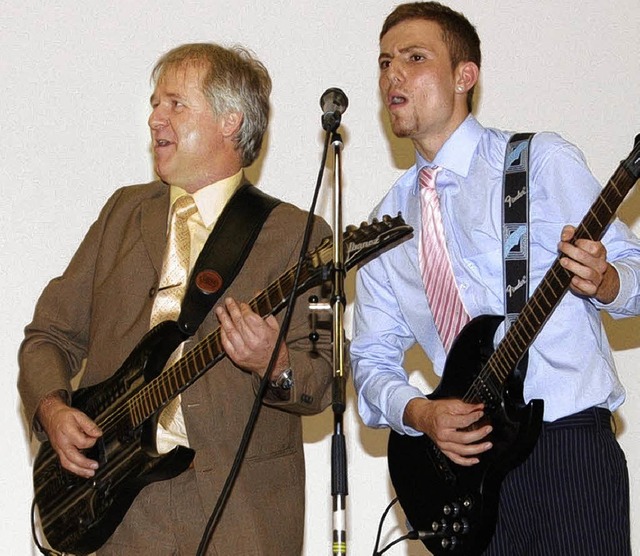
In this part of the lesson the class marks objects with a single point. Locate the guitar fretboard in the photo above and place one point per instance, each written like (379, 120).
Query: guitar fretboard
(487, 385)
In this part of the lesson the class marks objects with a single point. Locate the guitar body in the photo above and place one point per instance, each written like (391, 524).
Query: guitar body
(454, 507)
(78, 515)
(457, 506)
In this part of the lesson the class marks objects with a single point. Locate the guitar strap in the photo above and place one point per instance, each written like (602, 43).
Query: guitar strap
(224, 253)
(515, 230)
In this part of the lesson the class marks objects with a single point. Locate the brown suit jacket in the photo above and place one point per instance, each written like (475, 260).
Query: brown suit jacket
(100, 308)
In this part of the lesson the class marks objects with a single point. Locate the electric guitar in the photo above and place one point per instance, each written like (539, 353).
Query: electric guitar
(78, 515)
(455, 507)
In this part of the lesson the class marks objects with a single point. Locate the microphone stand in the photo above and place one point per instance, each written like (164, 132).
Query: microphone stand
(339, 487)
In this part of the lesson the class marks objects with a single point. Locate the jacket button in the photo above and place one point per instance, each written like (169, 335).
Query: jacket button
(152, 292)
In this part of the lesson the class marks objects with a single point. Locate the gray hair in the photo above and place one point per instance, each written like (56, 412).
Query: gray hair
(234, 81)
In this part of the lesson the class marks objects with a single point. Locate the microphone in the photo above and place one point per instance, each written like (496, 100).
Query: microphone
(333, 103)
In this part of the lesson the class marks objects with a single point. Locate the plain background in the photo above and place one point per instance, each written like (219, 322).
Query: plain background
(75, 84)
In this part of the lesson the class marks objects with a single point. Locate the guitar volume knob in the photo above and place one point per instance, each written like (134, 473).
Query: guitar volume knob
(461, 526)
(451, 510)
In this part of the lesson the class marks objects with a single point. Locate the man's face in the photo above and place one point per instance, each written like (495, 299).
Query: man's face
(417, 82)
(186, 134)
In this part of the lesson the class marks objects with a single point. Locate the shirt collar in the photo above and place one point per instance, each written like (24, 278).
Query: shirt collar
(212, 198)
(456, 153)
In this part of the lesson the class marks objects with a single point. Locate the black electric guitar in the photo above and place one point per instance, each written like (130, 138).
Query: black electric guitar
(455, 507)
(78, 515)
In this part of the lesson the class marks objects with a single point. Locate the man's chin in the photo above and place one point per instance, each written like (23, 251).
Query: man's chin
(401, 131)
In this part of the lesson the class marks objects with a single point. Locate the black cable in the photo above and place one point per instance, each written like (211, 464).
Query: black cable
(410, 536)
(42, 549)
(264, 382)
(381, 522)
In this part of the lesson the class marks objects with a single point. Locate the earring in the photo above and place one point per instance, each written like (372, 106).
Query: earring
(459, 88)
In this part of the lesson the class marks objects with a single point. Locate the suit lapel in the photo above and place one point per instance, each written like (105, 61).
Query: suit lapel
(153, 223)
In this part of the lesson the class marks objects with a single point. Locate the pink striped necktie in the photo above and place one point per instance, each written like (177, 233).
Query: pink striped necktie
(439, 283)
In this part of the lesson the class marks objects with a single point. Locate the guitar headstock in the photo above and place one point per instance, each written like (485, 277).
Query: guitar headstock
(360, 243)
(632, 162)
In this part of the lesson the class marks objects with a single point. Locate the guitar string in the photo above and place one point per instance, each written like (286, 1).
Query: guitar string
(367, 238)
(153, 392)
(598, 216)
(154, 388)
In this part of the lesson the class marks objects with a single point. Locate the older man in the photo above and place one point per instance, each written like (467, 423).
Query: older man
(209, 113)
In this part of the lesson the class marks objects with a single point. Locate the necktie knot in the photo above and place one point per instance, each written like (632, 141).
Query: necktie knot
(427, 177)
(184, 206)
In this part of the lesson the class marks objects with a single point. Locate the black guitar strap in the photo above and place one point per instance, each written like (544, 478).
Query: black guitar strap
(515, 229)
(224, 253)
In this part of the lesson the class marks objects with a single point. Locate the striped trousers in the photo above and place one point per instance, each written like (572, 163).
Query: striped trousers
(570, 497)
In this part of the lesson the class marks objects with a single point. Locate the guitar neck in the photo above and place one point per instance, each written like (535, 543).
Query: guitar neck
(358, 243)
(185, 371)
(549, 292)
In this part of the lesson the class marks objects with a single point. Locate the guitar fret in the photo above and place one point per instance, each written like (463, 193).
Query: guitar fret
(207, 345)
(134, 413)
(262, 305)
(203, 361)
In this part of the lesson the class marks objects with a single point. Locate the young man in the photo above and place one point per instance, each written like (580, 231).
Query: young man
(209, 113)
(572, 491)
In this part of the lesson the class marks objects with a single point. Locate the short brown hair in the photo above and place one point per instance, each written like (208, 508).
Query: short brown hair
(234, 81)
(458, 33)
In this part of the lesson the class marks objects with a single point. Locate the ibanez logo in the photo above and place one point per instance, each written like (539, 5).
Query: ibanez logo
(353, 246)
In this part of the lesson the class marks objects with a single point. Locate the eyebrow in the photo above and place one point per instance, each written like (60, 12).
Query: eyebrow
(172, 96)
(403, 51)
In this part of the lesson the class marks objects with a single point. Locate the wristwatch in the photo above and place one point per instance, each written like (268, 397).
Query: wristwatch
(284, 380)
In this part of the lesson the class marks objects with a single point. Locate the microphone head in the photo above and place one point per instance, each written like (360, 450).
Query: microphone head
(334, 100)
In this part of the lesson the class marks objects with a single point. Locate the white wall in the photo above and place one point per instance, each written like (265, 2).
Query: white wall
(73, 127)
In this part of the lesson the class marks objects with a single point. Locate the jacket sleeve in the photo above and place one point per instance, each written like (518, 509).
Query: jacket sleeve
(55, 342)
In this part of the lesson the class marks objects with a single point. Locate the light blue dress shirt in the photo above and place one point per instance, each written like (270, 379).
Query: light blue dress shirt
(570, 362)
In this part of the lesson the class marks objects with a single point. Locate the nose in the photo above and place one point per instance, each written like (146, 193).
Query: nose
(392, 75)
(394, 72)
(158, 118)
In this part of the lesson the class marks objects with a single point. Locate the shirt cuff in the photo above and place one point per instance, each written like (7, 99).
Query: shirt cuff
(401, 398)
(627, 280)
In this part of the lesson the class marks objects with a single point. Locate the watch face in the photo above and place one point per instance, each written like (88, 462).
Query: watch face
(285, 380)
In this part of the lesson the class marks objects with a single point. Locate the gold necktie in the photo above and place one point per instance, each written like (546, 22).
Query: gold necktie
(171, 290)
(175, 266)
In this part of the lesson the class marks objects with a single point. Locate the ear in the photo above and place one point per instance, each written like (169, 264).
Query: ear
(466, 76)
(231, 123)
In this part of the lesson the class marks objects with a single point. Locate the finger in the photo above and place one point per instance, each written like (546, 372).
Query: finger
(231, 337)
(223, 317)
(455, 458)
(254, 326)
(457, 421)
(567, 233)
(272, 323)
(467, 452)
(88, 426)
(591, 254)
(76, 462)
(460, 459)
(227, 344)
(470, 436)
(234, 310)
